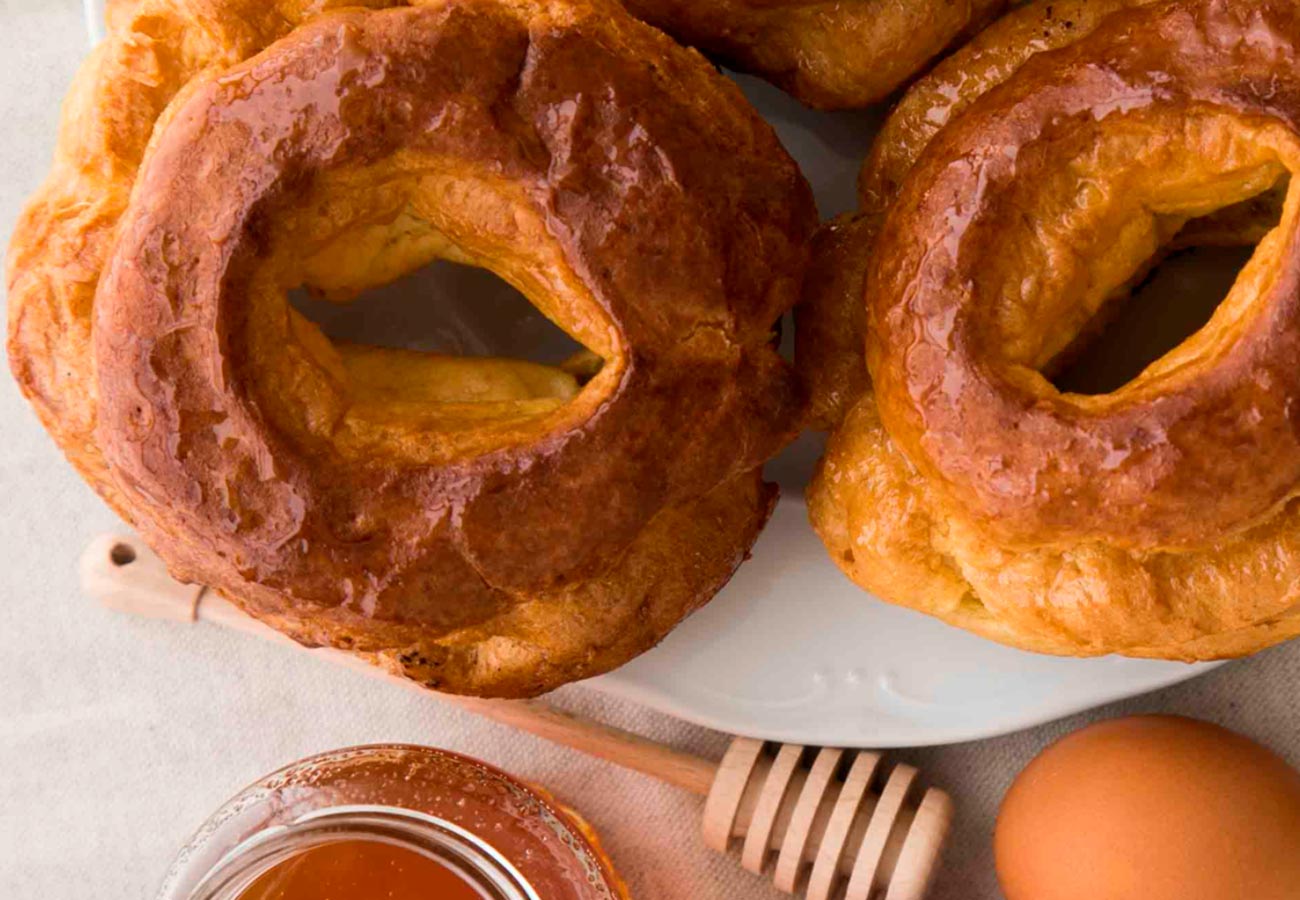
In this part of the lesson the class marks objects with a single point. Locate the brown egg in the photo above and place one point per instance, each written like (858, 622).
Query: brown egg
(1152, 808)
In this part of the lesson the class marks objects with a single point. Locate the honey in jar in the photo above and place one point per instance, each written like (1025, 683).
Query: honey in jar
(393, 822)
(361, 870)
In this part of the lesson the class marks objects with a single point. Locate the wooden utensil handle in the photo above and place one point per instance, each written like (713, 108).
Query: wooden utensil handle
(123, 573)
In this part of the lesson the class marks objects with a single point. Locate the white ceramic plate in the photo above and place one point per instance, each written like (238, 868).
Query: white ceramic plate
(790, 650)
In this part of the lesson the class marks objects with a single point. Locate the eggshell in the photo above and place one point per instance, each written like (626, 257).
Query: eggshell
(1152, 808)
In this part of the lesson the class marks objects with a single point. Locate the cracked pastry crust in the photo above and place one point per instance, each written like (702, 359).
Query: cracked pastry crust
(1161, 519)
(481, 526)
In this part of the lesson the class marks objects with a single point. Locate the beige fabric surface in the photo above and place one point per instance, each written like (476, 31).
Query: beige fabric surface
(117, 737)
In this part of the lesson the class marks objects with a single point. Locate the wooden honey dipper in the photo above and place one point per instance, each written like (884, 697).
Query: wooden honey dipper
(825, 822)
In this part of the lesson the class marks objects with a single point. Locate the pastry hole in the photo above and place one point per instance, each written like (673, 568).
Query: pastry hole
(122, 554)
(426, 317)
(443, 307)
(1168, 306)
(453, 336)
(1169, 303)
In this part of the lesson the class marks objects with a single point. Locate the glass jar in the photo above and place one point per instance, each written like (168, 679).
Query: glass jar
(504, 839)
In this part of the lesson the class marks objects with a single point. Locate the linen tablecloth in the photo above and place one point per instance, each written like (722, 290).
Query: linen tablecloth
(118, 736)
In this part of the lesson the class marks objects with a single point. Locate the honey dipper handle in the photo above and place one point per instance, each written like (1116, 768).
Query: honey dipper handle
(623, 748)
(122, 573)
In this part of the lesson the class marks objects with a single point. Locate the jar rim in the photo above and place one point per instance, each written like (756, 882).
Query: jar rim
(475, 861)
(404, 787)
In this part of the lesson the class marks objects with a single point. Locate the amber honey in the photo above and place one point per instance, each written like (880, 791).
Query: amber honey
(393, 822)
(361, 870)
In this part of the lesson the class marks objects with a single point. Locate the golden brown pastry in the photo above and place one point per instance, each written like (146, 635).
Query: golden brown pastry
(1157, 520)
(831, 54)
(480, 526)
(831, 320)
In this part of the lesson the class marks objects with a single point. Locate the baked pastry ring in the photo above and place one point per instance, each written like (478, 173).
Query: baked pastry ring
(830, 337)
(479, 526)
(831, 54)
(1158, 520)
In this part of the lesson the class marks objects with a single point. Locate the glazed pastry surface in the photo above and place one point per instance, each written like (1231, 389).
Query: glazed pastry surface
(831, 333)
(1155, 520)
(485, 526)
(831, 54)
